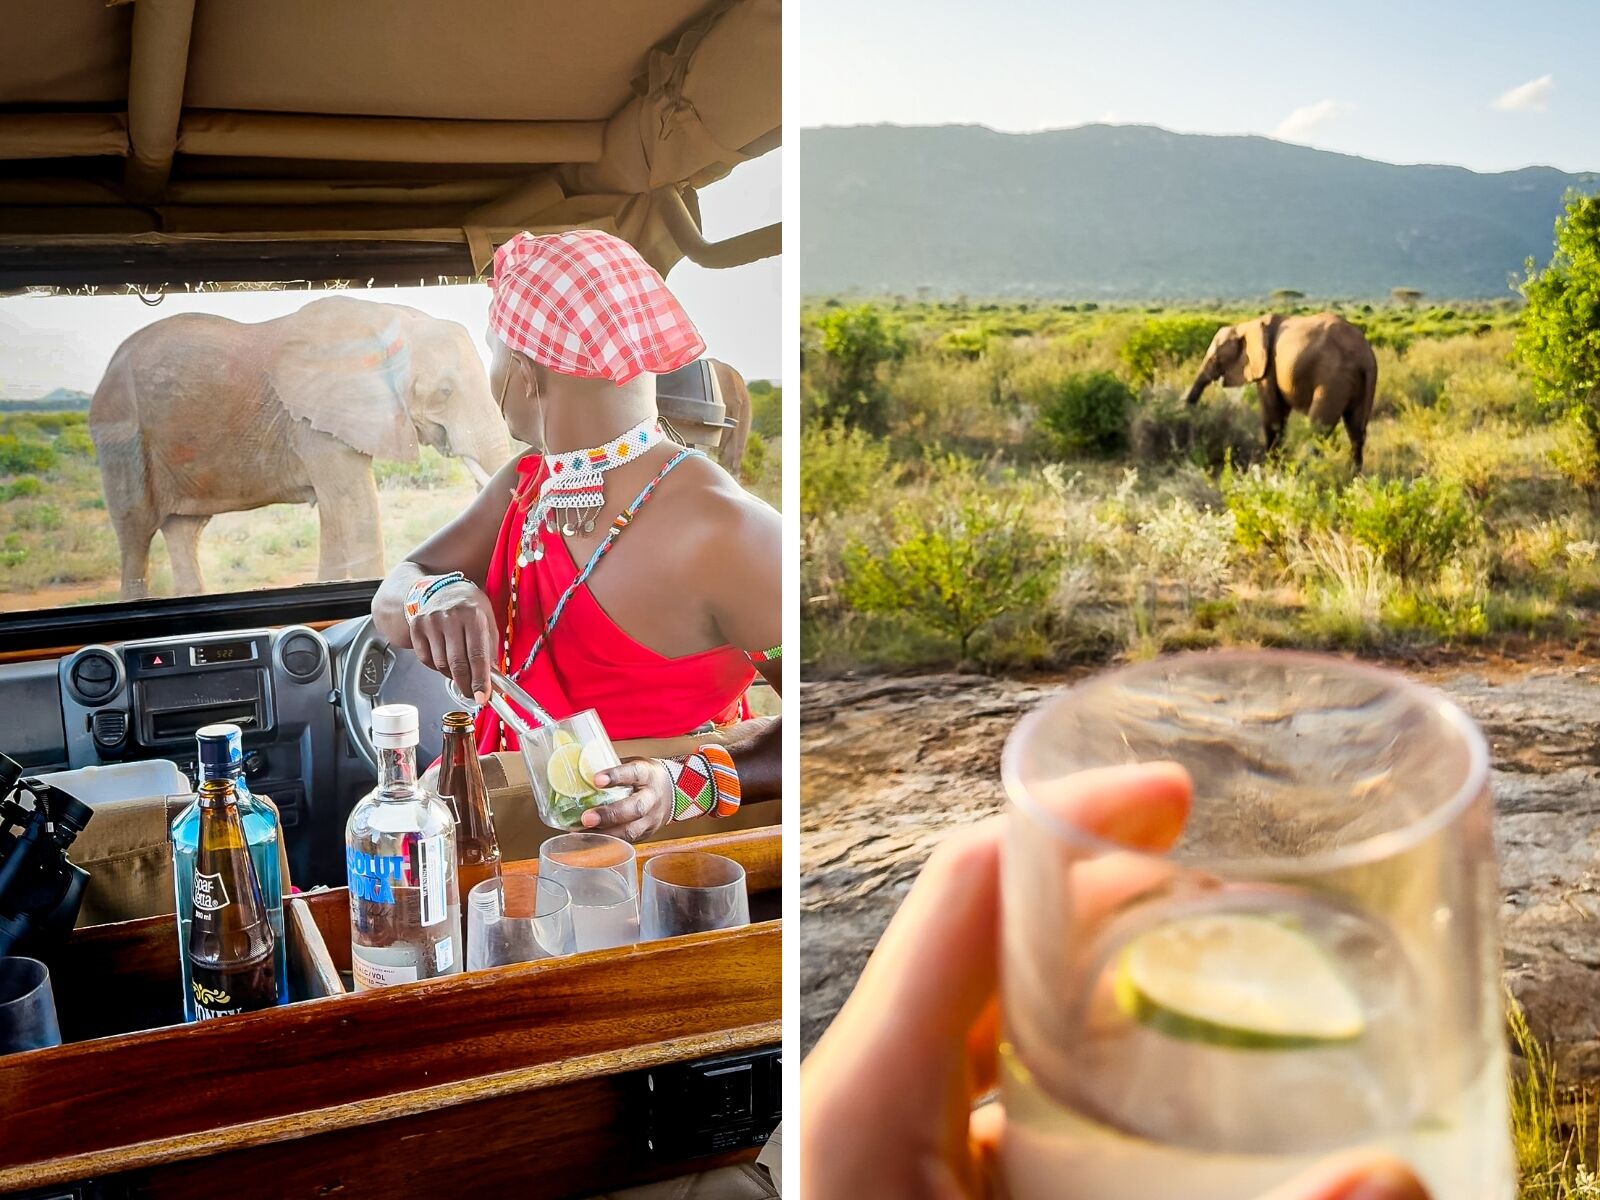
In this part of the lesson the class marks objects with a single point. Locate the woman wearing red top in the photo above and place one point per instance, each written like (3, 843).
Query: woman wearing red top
(615, 570)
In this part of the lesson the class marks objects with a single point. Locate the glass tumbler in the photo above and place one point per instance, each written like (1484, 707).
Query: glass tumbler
(27, 1006)
(600, 873)
(1313, 967)
(516, 919)
(562, 761)
(687, 892)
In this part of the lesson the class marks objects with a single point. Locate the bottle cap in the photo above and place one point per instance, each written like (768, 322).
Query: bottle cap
(394, 726)
(221, 749)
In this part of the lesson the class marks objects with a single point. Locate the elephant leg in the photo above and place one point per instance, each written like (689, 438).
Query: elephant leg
(352, 537)
(182, 535)
(1357, 429)
(1274, 417)
(134, 532)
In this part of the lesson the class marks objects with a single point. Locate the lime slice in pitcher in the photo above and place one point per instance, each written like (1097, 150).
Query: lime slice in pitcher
(596, 757)
(1232, 980)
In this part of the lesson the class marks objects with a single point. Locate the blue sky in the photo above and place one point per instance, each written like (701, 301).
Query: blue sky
(48, 342)
(1402, 81)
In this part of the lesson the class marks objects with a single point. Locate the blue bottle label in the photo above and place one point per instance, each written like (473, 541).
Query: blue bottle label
(373, 876)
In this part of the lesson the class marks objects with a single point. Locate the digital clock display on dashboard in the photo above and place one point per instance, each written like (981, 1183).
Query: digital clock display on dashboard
(220, 652)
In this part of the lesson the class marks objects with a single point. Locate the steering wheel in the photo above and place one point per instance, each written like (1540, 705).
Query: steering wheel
(372, 672)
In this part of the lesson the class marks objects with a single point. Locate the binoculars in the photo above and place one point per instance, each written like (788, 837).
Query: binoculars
(40, 890)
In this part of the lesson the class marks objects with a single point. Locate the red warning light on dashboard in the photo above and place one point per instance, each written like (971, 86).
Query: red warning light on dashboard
(153, 658)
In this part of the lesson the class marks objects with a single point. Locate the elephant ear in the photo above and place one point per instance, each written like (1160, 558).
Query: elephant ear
(344, 367)
(1256, 356)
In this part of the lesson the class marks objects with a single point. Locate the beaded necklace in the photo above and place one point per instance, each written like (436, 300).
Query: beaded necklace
(618, 524)
(574, 486)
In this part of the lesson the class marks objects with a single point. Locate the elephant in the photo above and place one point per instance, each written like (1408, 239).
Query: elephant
(736, 398)
(1320, 365)
(198, 415)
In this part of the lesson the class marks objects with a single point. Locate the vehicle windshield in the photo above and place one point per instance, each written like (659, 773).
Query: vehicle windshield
(220, 441)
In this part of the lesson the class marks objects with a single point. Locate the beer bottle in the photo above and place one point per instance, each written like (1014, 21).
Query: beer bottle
(461, 787)
(232, 963)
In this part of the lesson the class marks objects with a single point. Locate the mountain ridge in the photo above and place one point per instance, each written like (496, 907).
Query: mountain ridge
(1137, 211)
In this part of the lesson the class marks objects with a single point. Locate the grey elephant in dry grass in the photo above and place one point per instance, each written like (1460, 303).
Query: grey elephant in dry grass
(198, 415)
(1319, 365)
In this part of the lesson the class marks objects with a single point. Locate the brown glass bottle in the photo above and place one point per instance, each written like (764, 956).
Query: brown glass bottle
(231, 943)
(461, 787)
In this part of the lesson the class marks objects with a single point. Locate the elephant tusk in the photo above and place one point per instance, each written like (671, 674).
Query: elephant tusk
(479, 475)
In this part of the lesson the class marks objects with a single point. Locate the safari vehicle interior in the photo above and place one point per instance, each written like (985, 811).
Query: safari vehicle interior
(159, 147)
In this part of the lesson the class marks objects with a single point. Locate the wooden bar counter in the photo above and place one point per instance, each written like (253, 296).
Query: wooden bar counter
(544, 1079)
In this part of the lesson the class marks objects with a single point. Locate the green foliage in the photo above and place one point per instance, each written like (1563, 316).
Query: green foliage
(1223, 429)
(1166, 342)
(40, 515)
(76, 442)
(21, 489)
(1414, 526)
(431, 472)
(855, 342)
(843, 467)
(1088, 414)
(1549, 1123)
(1273, 510)
(954, 563)
(1559, 342)
(766, 409)
(19, 457)
(754, 467)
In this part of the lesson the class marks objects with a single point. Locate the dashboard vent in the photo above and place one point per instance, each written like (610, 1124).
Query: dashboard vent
(110, 727)
(94, 676)
(301, 656)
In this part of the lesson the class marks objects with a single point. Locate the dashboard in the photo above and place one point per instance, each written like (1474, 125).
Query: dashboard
(137, 700)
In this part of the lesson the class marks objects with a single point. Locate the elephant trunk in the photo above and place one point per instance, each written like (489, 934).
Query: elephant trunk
(1208, 372)
(481, 451)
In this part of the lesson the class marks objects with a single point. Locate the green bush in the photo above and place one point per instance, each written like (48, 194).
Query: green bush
(19, 457)
(954, 564)
(1559, 339)
(430, 472)
(1167, 342)
(754, 467)
(1415, 526)
(1273, 511)
(77, 443)
(1088, 413)
(766, 409)
(21, 489)
(854, 343)
(842, 468)
(38, 515)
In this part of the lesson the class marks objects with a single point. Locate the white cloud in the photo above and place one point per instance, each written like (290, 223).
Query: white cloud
(1111, 117)
(1533, 96)
(1304, 121)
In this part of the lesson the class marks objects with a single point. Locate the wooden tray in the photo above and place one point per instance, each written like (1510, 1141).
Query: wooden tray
(524, 1077)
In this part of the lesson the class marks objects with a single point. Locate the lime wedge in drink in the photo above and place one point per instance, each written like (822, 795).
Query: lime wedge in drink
(563, 771)
(1229, 979)
(596, 757)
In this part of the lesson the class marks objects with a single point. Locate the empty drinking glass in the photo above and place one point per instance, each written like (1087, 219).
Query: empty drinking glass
(27, 1006)
(600, 874)
(517, 919)
(1313, 967)
(685, 892)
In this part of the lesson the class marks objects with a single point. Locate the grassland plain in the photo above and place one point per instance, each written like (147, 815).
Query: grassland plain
(1019, 485)
(57, 546)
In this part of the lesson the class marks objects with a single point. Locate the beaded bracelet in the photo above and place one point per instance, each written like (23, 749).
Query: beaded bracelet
(765, 656)
(704, 784)
(425, 589)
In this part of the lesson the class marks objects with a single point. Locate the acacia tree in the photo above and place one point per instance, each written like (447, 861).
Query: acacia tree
(1559, 339)
(855, 342)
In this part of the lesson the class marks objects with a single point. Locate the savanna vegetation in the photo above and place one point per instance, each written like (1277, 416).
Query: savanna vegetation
(1020, 484)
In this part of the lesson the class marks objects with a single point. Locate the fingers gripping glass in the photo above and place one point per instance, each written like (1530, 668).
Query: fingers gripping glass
(1313, 966)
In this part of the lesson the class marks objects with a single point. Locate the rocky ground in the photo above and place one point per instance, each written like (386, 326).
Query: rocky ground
(891, 765)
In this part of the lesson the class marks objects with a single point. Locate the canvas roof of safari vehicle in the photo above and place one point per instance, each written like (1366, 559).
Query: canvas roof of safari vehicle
(164, 142)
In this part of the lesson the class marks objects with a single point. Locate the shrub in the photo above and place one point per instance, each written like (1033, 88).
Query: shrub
(766, 409)
(1576, 454)
(1210, 434)
(842, 469)
(1415, 527)
(1559, 339)
(18, 457)
(430, 472)
(753, 469)
(955, 563)
(1088, 413)
(1166, 342)
(1189, 546)
(1274, 510)
(77, 443)
(38, 515)
(21, 489)
(854, 343)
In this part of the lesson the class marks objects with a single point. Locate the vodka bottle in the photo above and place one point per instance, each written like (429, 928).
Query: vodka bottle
(221, 756)
(400, 859)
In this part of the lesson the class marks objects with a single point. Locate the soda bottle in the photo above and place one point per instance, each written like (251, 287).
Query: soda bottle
(231, 949)
(461, 787)
(400, 860)
(221, 755)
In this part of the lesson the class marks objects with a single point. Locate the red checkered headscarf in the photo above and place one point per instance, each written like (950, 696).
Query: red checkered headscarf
(585, 303)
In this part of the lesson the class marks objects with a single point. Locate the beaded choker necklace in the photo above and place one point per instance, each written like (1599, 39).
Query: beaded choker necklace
(573, 493)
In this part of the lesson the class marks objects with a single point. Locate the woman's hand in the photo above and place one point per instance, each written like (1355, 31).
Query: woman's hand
(456, 636)
(639, 814)
(890, 1088)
